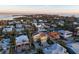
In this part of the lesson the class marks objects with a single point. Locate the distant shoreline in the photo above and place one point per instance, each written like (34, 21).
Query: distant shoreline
(2, 16)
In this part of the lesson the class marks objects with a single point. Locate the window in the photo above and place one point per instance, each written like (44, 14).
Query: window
(69, 34)
(61, 33)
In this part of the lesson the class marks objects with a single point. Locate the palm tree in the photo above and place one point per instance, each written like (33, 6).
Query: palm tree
(49, 41)
(1, 34)
(39, 51)
(12, 43)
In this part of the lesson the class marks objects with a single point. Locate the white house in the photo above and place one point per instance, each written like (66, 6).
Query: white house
(5, 44)
(22, 39)
(41, 27)
(40, 20)
(61, 23)
(19, 29)
(7, 29)
(75, 23)
(19, 25)
(22, 43)
(65, 33)
(11, 23)
(17, 22)
(77, 30)
(55, 49)
(34, 22)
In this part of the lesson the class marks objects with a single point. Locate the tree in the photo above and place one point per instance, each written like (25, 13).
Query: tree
(61, 42)
(39, 51)
(34, 28)
(49, 41)
(12, 43)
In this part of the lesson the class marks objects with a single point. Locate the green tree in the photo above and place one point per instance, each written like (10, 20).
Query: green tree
(39, 51)
(12, 43)
(49, 41)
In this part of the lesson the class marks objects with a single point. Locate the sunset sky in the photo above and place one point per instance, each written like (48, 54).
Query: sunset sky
(39, 9)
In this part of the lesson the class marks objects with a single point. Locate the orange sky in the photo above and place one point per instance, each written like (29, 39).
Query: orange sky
(41, 9)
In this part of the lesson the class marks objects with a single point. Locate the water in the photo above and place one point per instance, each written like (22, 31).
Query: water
(7, 17)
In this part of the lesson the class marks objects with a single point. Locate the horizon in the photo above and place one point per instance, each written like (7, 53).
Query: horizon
(39, 9)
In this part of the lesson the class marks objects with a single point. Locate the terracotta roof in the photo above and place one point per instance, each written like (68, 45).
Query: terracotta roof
(54, 34)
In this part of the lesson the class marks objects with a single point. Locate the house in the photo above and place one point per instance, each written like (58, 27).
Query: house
(51, 27)
(22, 39)
(5, 45)
(53, 24)
(73, 48)
(17, 22)
(36, 37)
(77, 31)
(40, 20)
(7, 29)
(61, 23)
(55, 49)
(19, 27)
(54, 35)
(65, 33)
(34, 22)
(26, 26)
(75, 23)
(42, 37)
(41, 28)
(11, 23)
(22, 43)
